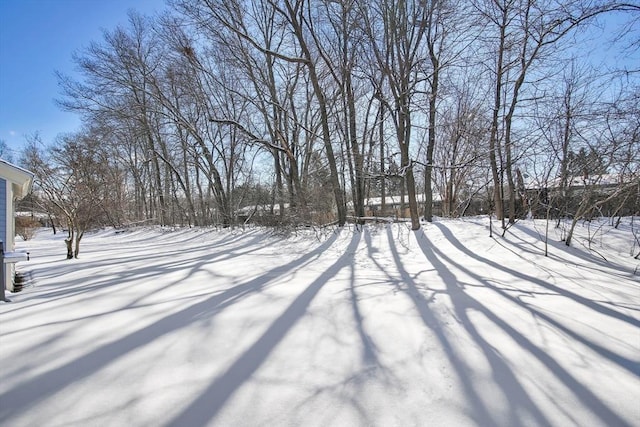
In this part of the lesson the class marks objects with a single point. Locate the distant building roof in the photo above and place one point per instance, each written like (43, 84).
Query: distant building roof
(260, 209)
(605, 180)
(395, 200)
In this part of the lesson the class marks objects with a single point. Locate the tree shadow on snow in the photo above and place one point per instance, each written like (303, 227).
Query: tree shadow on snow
(561, 248)
(481, 413)
(20, 398)
(145, 267)
(520, 403)
(587, 302)
(206, 406)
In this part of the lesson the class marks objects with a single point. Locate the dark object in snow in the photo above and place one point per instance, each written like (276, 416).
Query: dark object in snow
(19, 281)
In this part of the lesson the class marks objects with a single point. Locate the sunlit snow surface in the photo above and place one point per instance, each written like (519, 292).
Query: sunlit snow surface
(380, 327)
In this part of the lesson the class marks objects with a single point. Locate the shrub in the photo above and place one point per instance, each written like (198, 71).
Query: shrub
(26, 227)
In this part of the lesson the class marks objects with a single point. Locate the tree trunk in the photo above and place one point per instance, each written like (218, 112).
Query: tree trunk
(383, 180)
(428, 190)
(358, 203)
(77, 244)
(494, 144)
(324, 116)
(404, 136)
(69, 240)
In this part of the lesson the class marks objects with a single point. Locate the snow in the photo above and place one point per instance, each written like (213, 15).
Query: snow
(380, 327)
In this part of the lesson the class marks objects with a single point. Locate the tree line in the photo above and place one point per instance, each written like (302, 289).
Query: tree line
(309, 108)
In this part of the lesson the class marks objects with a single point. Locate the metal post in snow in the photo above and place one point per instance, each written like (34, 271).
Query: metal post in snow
(2, 275)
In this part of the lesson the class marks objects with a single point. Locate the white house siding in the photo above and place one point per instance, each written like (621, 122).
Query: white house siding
(14, 184)
(3, 211)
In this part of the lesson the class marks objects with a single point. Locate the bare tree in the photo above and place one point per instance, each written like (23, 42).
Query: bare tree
(526, 34)
(117, 77)
(347, 95)
(459, 161)
(251, 29)
(448, 35)
(609, 169)
(73, 180)
(396, 33)
(5, 152)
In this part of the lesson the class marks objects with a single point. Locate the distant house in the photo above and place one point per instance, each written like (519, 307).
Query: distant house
(602, 182)
(580, 189)
(396, 205)
(15, 183)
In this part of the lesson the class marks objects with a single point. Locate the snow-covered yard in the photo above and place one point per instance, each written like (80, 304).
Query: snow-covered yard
(380, 327)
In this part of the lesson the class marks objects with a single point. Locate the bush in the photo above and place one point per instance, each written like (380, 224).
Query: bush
(26, 227)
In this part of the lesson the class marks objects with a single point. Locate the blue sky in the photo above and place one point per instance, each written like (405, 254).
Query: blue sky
(38, 37)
